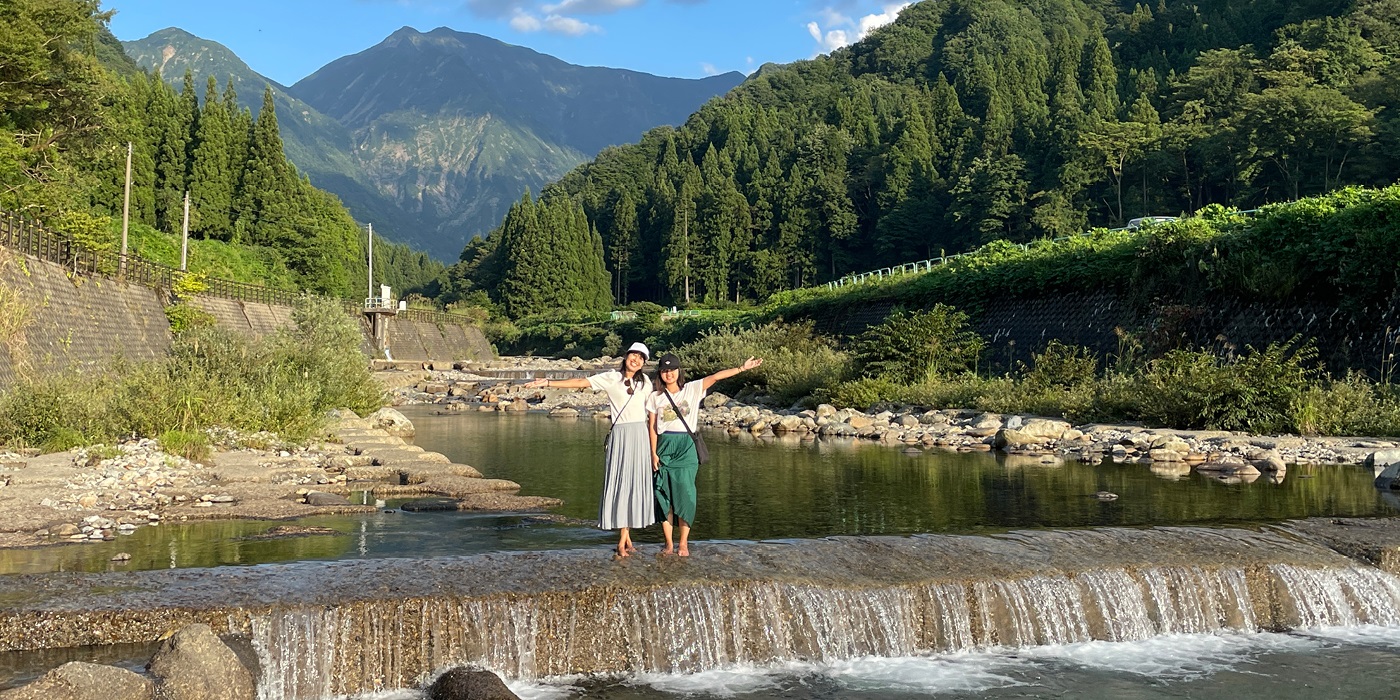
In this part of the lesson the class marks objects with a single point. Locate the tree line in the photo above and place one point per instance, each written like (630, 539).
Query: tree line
(967, 121)
(70, 103)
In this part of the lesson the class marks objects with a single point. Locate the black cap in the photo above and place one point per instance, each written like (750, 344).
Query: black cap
(668, 361)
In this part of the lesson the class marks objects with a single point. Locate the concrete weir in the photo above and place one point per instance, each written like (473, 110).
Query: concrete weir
(331, 628)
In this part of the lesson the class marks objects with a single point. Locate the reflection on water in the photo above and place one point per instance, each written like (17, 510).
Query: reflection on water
(788, 487)
(752, 489)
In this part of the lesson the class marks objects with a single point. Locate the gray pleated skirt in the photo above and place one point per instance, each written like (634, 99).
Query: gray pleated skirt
(628, 496)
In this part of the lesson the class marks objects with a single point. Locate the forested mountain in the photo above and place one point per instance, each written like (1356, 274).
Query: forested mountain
(319, 146)
(432, 137)
(971, 120)
(70, 102)
(453, 127)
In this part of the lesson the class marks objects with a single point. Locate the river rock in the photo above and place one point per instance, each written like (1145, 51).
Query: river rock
(519, 405)
(860, 421)
(1268, 461)
(78, 680)
(789, 424)
(564, 412)
(321, 498)
(1010, 439)
(392, 422)
(469, 684)
(714, 400)
(430, 505)
(1045, 428)
(194, 664)
(826, 410)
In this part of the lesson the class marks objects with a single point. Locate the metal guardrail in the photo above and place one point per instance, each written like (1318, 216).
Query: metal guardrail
(928, 265)
(32, 238)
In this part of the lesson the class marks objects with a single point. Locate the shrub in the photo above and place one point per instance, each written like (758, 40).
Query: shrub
(1194, 389)
(1063, 366)
(191, 446)
(919, 346)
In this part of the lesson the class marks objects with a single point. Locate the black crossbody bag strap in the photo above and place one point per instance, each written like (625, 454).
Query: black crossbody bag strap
(679, 414)
(613, 423)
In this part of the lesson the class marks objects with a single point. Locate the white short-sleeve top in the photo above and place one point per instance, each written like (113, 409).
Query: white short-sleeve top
(687, 399)
(626, 408)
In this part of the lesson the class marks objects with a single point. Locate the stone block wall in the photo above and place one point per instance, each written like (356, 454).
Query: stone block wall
(245, 317)
(78, 322)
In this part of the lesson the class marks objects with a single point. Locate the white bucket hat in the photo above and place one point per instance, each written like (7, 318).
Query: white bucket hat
(641, 348)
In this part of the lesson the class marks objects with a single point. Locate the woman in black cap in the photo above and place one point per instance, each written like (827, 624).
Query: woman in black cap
(627, 500)
(674, 409)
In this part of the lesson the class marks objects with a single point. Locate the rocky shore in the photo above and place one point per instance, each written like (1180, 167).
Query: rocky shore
(102, 493)
(1225, 455)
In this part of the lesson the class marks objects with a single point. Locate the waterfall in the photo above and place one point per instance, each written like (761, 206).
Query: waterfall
(692, 626)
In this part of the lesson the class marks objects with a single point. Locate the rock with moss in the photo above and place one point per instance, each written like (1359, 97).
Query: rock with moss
(78, 680)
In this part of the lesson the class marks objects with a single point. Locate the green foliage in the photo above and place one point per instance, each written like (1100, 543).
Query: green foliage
(918, 346)
(976, 120)
(283, 383)
(185, 316)
(1061, 366)
(796, 362)
(191, 446)
(1338, 248)
(554, 260)
(1258, 392)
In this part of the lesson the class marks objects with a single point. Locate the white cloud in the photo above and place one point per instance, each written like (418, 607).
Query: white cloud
(709, 69)
(523, 22)
(840, 30)
(559, 24)
(589, 7)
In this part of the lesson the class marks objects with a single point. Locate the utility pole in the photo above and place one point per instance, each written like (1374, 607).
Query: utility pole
(126, 207)
(685, 238)
(370, 295)
(185, 234)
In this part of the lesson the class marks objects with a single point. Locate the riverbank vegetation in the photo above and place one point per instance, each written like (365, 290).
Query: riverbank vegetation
(282, 383)
(1275, 389)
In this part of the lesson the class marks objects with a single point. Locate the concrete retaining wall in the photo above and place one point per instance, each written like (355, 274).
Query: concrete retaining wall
(420, 340)
(1015, 328)
(80, 322)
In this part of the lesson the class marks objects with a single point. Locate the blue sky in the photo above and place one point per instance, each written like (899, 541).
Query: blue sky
(286, 40)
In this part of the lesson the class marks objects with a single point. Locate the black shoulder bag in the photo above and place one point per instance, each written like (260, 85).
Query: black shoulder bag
(702, 453)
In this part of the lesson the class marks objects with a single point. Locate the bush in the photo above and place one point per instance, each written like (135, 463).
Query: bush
(919, 346)
(284, 384)
(1063, 366)
(191, 446)
(1259, 392)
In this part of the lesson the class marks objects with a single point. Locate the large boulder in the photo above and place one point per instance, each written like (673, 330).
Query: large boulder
(78, 680)
(392, 422)
(1010, 439)
(1045, 428)
(1385, 464)
(469, 684)
(194, 664)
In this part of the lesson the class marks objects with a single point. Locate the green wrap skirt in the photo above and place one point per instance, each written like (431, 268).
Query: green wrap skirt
(675, 483)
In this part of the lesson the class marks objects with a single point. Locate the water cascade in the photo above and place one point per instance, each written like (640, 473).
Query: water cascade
(325, 629)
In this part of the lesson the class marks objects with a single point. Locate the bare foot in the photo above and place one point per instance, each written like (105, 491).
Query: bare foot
(620, 552)
(631, 547)
(684, 551)
(666, 552)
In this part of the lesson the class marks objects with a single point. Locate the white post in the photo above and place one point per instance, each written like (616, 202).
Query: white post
(370, 293)
(185, 235)
(126, 206)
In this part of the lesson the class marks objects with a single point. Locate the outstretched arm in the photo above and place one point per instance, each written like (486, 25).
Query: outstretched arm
(749, 364)
(543, 383)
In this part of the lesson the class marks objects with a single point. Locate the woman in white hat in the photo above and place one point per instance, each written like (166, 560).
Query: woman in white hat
(628, 499)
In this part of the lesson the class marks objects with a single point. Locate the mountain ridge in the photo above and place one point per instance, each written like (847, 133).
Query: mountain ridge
(432, 135)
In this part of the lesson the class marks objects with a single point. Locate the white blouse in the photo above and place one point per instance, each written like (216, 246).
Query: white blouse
(626, 408)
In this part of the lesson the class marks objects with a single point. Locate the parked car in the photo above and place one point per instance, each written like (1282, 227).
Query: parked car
(1149, 221)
